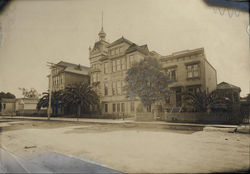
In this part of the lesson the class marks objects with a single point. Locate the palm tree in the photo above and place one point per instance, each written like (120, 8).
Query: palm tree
(80, 95)
(201, 101)
(56, 101)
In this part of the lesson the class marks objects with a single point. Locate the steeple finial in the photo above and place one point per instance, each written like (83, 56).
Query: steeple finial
(102, 34)
(102, 19)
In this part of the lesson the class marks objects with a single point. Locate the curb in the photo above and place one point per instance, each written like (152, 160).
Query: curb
(166, 125)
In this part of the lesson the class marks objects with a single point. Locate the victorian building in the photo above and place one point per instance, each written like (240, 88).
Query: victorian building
(64, 74)
(190, 71)
(109, 62)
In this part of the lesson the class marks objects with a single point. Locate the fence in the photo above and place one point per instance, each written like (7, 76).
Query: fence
(31, 112)
(144, 116)
(194, 117)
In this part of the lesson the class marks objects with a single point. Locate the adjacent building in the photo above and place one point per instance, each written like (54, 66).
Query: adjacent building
(190, 71)
(7, 106)
(229, 91)
(26, 106)
(110, 61)
(64, 74)
(20, 106)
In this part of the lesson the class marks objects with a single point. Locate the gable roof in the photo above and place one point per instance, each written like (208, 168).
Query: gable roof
(143, 49)
(99, 43)
(224, 85)
(74, 68)
(121, 40)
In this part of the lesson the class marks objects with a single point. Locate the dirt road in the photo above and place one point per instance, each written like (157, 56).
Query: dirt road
(130, 149)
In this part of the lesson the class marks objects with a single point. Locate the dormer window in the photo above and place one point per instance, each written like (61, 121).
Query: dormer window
(78, 67)
(115, 51)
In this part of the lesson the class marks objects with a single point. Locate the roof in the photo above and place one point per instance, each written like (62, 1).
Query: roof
(121, 40)
(27, 100)
(184, 53)
(224, 85)
(143, 49)
(8, 100)
(154, 53)
(99, 43)
(67, 64)
(74, 68)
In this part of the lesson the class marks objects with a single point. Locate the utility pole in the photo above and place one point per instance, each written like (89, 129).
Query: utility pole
(51, 66)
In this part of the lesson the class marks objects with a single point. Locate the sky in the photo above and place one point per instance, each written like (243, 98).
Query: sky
(36, 32)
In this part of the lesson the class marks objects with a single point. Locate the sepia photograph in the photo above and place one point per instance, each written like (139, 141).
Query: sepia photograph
(124, 86)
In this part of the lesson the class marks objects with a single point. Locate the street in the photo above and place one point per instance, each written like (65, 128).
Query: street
(64, 146)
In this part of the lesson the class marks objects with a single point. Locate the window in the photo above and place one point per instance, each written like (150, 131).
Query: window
(114, 107)
(171, 73)
(123, 107)
(132, 60)
(94, 77)
(106, 107)
(149, 108)
(61, 79)
(132, 106)
(123, 63)
(98, 77)
(4, 106)
(193, 89)
(167, 99)
(114, 66)
(118, 107)
(128, 62)
(123, 84)
(119, 91)
(105, 88)
(113, 88)
(105, 67)
(192, 71)
(118, 64)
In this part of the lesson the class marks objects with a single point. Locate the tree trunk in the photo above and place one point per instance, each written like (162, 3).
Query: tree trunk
(78, 111)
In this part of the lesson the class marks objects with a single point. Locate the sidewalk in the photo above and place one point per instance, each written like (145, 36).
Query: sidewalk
(49, 162)
(119, 121)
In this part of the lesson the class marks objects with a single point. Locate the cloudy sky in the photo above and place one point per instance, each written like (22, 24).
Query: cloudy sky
(36, 32)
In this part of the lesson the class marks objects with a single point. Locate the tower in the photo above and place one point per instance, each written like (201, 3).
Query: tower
(102, 34)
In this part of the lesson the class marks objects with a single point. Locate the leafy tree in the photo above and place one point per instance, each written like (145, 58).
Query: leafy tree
(30, 93)
(80, 95)
(146, 81)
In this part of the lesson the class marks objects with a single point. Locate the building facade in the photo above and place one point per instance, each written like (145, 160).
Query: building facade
(190, 71)
(7, 106)
(110, 62)
(26, 106)
(227, 90)
(65, 74)
(20, 106)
